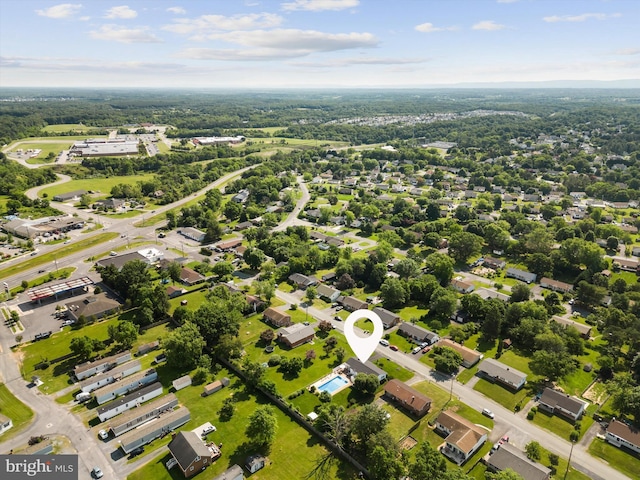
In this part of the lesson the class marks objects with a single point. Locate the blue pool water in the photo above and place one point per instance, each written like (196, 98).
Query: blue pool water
(332, 385)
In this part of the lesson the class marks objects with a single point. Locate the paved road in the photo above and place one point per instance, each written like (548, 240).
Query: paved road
(292, 219)
(506, 421)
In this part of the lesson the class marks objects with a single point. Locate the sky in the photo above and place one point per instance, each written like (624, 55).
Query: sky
(316, 43)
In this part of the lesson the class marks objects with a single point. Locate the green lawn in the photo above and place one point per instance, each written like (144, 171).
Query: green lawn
(623, 460)
(502, 395)
(410, 313)
(53, 275)
(290, 437)
(561, 427)
(45, 147)
(102, 185)
(66, 127)
(17, 411)
(394, 370)
(49, 258)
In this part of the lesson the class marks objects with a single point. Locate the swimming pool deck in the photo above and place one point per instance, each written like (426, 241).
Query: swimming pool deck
(336, 372)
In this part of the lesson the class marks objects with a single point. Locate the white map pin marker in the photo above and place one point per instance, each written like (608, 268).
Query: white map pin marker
(363, 347)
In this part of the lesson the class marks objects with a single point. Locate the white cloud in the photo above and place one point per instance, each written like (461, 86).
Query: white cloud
(488, 25)
(580, 18)
(123, 11)
(279, 44)
(347, 62)
(119, 34)
(206, 23)
(64, 10)
(430, 28)
(319, 5)
(177, 10)
(628, 51)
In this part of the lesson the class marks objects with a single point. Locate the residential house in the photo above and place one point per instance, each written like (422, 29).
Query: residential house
(407, 397)
(110, 204)
(192, 234)
(110, 376)
(135, 417)
(243, 226)
(486, 294)
(417, 333)
(329, 277)
(496, 371)
(255, 462)
(635, 251)
(87, 369)
(173, 291)
(213, 387)
(189, 276)
(182, 382)
(124, 386)
(351, 304)
(241, 197)
(129, 401)
(191, 453)
(148, 347)
(228, 245)
(73, 196)
(302, 281)
(508, 456)
(623, 435)
(462, 286)
(355, 366)
(585, 330)
(556, 285)
(328, 293)
(148, 432)
(389, 319)
(562, 404)
(462, 437)
(628, 265)
(94, 306)
(518, 274)
(296, 334)
(469, 357)
(5, 423)
(277, 318)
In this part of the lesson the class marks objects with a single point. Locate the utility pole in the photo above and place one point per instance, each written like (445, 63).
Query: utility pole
(451, 391)
(569, 461)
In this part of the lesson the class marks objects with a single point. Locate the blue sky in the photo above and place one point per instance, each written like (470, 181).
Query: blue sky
(315, 43)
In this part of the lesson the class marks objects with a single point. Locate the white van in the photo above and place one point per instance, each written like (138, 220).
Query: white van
(416, 350)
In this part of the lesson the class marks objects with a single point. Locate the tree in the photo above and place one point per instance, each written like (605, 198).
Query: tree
(369, 420)
(292, 366)
(428, 463)
(266, 289)
(310, 355)
(267, 336)
(407, 268)
(384, 464)
(366, 383)
(442, 303)
(325, 326)
(612, 243)
(496, 237)
(552, 365)
(254, 257)
(394, 293)
(589, 294)
(447, 360)
(340, 354)
(219, 316)
(232, 210)
(506, 474)
(533, 450)
(125, 333)
(183, 346)
(84, 346)
(310, 294)
(223, 269)
(441, 267)
(519, 293)
(540, 264)
(160, 302)
(263, 426)
(463, 245)
(174, 269)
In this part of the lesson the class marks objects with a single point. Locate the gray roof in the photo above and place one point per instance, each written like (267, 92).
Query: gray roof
(508, 456)
(186, 446)
(232, 473)
(499, 370)
(385, 315)
(127, 398)
(114, 372)
(167, 400)
(555, 398)
(413, 330)
(522, 274)
(368, 367)
(296, 332)
(120, 260)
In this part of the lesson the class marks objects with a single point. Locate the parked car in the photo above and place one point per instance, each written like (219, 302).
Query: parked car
(393, 347)
(97, 472)
(416, 350)
(488, 413)
(137, 451)
(426, 349)
(208, 430)
(103, 434)
(504, 439)
(384, 343)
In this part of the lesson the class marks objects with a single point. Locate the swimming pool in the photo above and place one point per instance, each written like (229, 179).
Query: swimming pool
(332, 385)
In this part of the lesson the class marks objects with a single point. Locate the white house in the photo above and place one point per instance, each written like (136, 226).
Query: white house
(463, 438)
(622, 435)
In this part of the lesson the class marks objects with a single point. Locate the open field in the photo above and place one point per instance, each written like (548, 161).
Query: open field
(66, 127)
(98, 185)
(48, 258)
(17, 411)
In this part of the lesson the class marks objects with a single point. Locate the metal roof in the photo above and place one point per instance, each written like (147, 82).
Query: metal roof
(52, 290)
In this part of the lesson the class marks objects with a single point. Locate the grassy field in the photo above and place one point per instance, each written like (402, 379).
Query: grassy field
(49, 258)
(290, 437)
(622, 460)
(66, 127)
(502, 395)
(17, 411)
(46, 148)
(53, 275)
(103, 185)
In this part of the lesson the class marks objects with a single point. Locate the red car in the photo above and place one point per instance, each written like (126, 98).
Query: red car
(504, 439)
(393, 347)
(426, 349)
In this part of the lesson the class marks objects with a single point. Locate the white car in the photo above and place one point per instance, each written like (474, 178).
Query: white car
(208, 430)
(384, 343)
(103, 434)
(97, 472)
